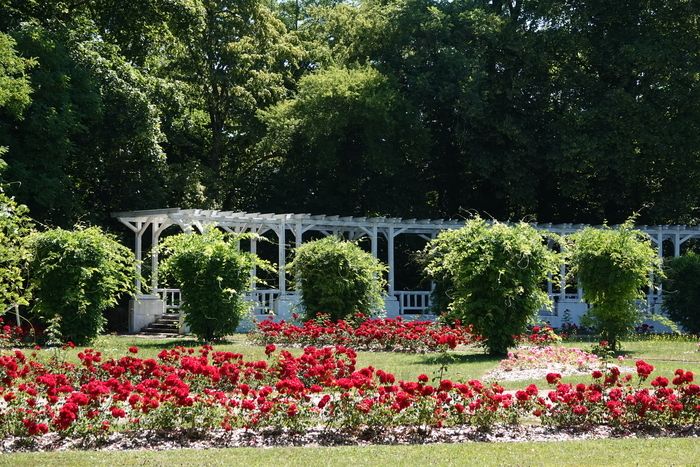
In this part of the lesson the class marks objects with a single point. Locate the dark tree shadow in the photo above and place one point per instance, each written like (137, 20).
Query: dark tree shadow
(456, 359)
(169, 344)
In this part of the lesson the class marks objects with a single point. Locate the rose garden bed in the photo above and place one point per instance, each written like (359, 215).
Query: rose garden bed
(360, 333)
(317, 395)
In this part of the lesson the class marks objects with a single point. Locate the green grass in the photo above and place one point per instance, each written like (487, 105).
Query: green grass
(596, 452)
(464, 364)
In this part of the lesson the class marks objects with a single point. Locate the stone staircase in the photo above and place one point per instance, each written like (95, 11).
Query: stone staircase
(168, 324)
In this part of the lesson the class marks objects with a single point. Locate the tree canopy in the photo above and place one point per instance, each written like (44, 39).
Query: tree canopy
(559, 111)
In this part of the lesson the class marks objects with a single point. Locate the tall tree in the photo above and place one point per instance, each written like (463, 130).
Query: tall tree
(235, 57)
(351, 140)
(15, 90)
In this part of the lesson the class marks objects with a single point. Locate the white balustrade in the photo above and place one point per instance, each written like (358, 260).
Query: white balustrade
(172, 299)
(413, 301)
(263, 300)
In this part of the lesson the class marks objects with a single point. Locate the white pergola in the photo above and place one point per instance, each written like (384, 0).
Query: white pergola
(285, 226)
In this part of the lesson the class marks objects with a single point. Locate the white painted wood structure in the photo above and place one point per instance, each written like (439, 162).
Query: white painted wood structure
(282, 299)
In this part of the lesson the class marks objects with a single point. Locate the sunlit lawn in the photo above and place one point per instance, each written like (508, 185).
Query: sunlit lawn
(463, 364)
(663, 452)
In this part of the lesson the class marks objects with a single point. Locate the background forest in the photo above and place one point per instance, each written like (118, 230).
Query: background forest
(550, 110)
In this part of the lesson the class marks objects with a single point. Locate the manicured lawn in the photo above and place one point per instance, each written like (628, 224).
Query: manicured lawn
(597, 452)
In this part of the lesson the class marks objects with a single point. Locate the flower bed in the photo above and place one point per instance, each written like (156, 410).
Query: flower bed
(391, 334)
(541, 357)
(536, 362)
(203, 389)
(12, 336)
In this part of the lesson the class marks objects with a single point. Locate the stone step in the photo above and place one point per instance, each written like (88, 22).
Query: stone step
(160, 329)
(159, 325)
(159, 333)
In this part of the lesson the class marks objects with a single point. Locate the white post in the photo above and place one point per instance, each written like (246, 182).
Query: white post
(137, 250)
(254, 270)
(281, 257)
(677, 246)
(373, 240)
(155, 234)
(550, 286)
(660, 249)
(298, 235)
(562, 282)
(433, 284)
(390, 249)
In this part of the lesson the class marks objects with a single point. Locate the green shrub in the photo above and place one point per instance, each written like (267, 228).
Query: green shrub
(496, 273)
(613, 266)
(15, 226)
(75, 277)
(338, 278)
(682, 291)
(212, 276)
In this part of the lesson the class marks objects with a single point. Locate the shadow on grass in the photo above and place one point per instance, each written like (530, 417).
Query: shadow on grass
(456, 359)
(166, 343)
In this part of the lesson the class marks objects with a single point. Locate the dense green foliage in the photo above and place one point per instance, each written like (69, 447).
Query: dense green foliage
(14, 84)
(15, 225)
(573, 111)
(338, 278)
(682, 291)
(613, 265)
(76, 276)
(496, 272)
(213, 275)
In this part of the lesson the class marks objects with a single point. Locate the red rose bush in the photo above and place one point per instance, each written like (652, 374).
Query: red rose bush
(185, 388)
(379, 334)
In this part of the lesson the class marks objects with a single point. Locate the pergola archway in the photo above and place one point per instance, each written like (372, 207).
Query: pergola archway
(288, 226)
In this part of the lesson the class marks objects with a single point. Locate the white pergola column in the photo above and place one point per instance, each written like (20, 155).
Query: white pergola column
(390, 259)
(373, 241)
(281, 257)
(139, 228)
(562, 283)
(550, 286)
(298, 237)
(254, 270)
(156, 230)
(677, 245)
(660, 250)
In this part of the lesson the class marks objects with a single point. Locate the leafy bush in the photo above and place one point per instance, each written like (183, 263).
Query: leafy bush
(613, 266)
(496, 274)
(15, 226)
(75, 277)
(682, 291)
(212, 275)
(338, 278)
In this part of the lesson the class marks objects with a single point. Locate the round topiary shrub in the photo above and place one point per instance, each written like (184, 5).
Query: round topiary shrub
(613, 265)
(496, 273)
(75, 277)
(338, 278)
(682, 291)
(212, 275)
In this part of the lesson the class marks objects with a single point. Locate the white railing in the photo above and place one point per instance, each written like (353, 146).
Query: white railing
(413, 301)
(172, 299)
(263, 300)
(569, 296)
